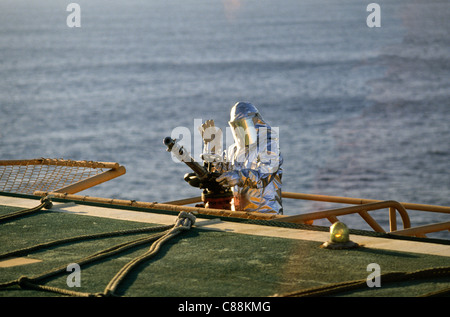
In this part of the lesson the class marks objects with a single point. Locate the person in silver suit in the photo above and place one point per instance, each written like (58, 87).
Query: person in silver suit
(252, 165)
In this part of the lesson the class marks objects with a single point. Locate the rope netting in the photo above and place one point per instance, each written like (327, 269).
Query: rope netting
(28, 176)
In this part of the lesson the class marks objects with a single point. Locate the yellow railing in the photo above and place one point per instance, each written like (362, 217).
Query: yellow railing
(362, 210)
(364, 205)
(370, 204)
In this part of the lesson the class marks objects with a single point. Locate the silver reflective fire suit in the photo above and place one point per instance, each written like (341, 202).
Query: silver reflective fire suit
(254, 171)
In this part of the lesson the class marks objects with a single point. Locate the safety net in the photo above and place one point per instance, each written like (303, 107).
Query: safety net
(55, 175)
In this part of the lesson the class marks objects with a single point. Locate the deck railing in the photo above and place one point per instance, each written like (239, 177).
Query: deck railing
(362, 208)
(419, 231)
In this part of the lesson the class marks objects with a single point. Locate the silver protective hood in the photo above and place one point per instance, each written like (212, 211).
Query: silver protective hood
(255, 161)
(243, 119)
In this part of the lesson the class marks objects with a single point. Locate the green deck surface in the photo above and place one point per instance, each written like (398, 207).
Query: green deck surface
(202, 262)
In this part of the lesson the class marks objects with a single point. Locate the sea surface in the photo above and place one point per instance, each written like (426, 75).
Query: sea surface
(362, 112)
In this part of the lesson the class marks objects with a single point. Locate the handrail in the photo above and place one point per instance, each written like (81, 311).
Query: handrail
(92, 181)
(359, 201)
(332, 199)
(435, 227)
(418, 231)
(185, 201)
(160, 206)
(361, 210)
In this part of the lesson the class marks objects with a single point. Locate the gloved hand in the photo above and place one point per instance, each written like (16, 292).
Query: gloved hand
(212, 137)
(192, 179)
(228, 179)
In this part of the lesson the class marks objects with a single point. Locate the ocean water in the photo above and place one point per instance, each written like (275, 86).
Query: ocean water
(362, 112)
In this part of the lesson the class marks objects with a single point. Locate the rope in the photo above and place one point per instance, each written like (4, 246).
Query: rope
(26, 283)
(45, 245)
(33, 283)
(45, 203)
(184, 222)
(386, 278)
(27, 250)
(440, 293)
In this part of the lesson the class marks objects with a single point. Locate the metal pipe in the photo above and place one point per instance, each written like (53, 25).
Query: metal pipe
(420, 230)
(139, 204)
(360, 201)
(92, 181)
(354, 209)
